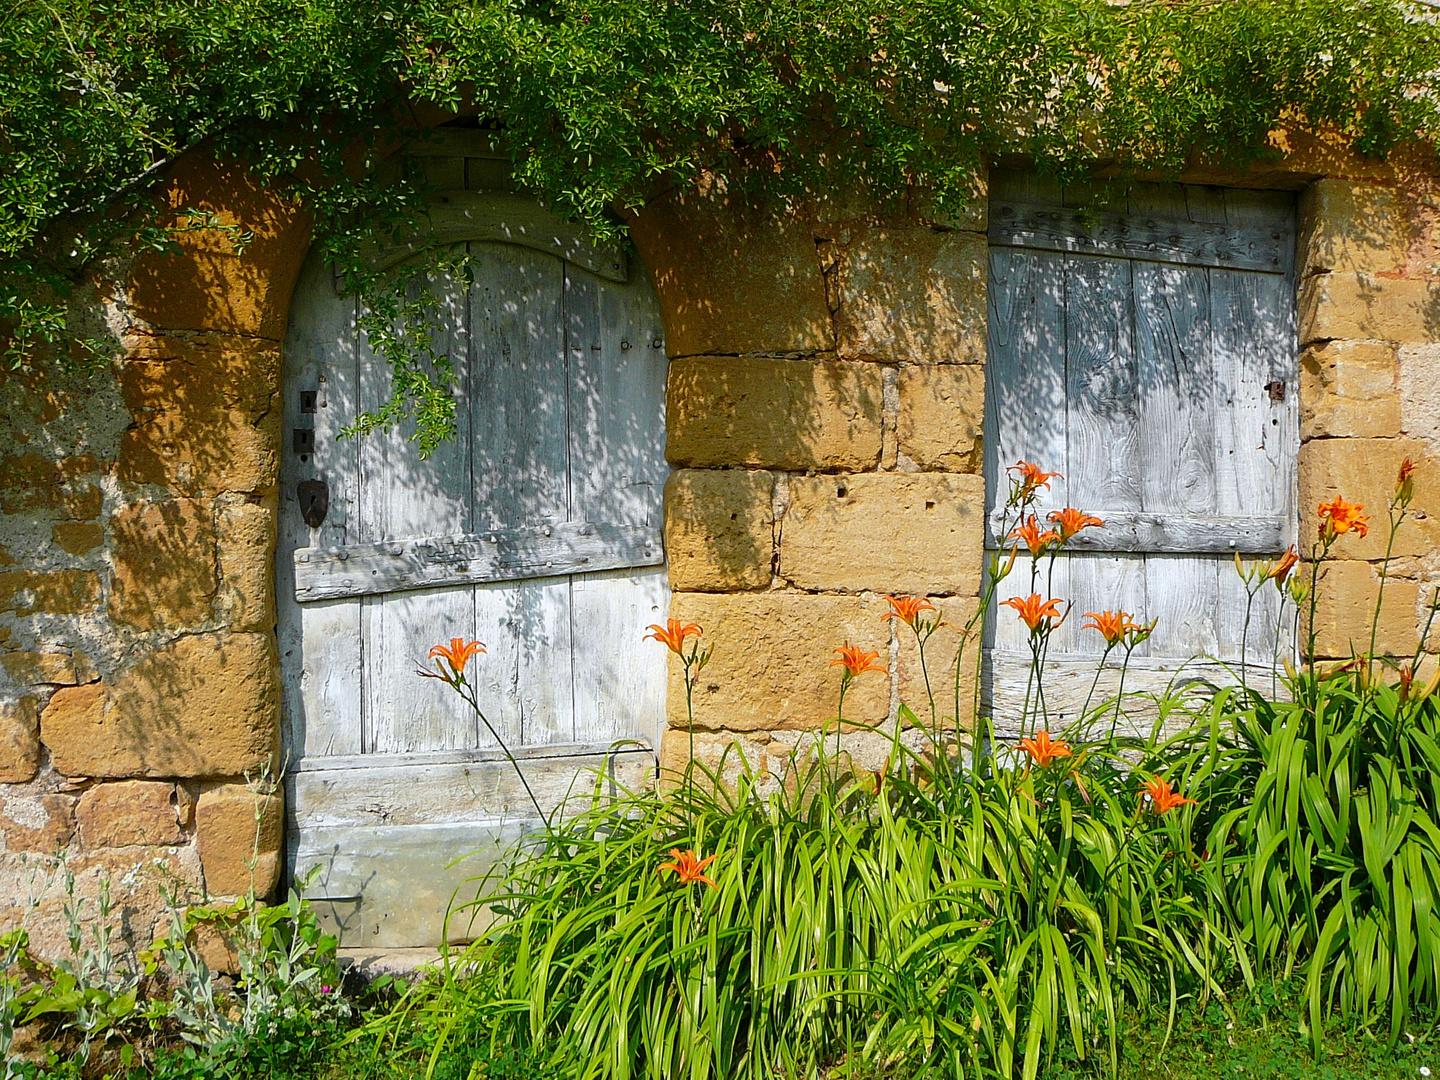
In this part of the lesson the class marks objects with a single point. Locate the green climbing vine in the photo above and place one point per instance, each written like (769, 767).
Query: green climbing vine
(603, 101)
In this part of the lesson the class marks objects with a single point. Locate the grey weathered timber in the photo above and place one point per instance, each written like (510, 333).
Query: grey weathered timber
(457, 216)
(536, 530)
(1137, 337)
(499, 555)
(1142, 531)
(1085, 231)
(417, 789)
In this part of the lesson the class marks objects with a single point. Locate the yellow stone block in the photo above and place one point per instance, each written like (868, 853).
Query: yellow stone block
(917, 533)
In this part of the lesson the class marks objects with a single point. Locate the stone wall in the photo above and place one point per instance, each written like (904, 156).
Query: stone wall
(825, 417)
(139, 697)
(1369, 321)
(825, 403)
(825, 409)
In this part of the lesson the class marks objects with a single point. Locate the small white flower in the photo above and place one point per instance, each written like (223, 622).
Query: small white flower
(1424, 1070)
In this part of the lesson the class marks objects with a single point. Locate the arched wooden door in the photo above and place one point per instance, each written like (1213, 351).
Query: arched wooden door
(537, 530)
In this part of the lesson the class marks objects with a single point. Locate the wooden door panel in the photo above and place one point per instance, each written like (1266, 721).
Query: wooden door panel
(1258, 437)
(619, 682)
(405, 713)
(319, 644)
(1103, 430)
(1176, 440)
(536, 530)
(1175, 345)
(525, 679)
(520, 467)
(1025, 367)
(617, 393)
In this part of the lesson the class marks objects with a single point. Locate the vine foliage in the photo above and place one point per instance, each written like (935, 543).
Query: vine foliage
(604, 101)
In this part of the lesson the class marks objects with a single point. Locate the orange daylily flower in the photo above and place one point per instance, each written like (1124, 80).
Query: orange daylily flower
(1405, 486)
(688, 867)
(1071, 521)
(673, 635)
(457, 654)
(856, 661)
(1033, 609)
(1280, 569)
(907, 608)
(1162, 799)
(1112, 625)
(1341, 517)
(1031, 477)
(1042, 750)
(1035, 540)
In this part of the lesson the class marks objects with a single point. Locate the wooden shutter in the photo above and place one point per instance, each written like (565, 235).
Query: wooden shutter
(1146, 351)
(536, 530)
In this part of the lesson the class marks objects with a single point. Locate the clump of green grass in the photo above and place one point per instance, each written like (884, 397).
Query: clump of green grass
(936, 920)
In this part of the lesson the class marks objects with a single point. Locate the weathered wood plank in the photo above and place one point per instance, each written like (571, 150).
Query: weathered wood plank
(408, 714)
(1101, 421)
(617, 371)
(457, 143)
(619, 681)
(1176, 445)
(1089, 231)
(403, 495)
(520, 386)
(1257, 437)
(499, 555)
(500, 217)
(1177, 533)
(1067, 683)
(525, 684)
(1025, 371)
(391, 886)
(1105, 583)
(320, 650)
(1183, 596)
(421, 792)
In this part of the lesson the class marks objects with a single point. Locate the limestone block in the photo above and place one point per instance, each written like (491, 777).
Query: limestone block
(138, 879)
(1348, 388)
(1345, 606)
(31, 481)
(732, 277)
(246, 535)
(777, 414)
(19, 740)
(1349, 225)
(1420, 394)
(1359, 304)
(941, 650)
(725, 753)
(208, 284)
(912, 295)
(78, 537)
(128, 813)
(206, 415)
(891, 532)
(771, 665)
(237, 827)
(164, 560)
(1365, 471)
(942, 415)
(28, 667)
(43, 824)
(719, 529)
(205, 705)
(58, 592)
